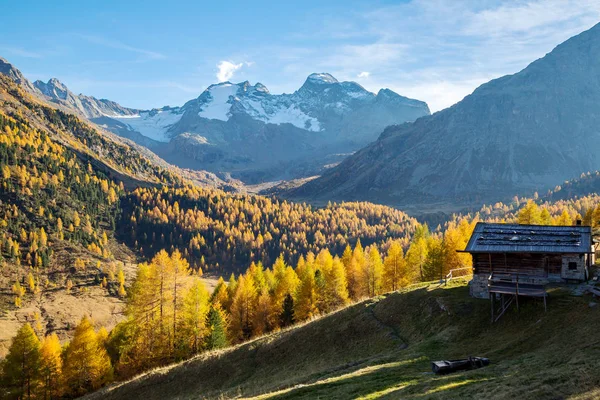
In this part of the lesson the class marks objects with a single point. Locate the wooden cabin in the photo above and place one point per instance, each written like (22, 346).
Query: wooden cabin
(508, 255)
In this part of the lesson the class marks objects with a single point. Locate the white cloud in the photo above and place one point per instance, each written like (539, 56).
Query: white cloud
(226, 70)
(364, 74)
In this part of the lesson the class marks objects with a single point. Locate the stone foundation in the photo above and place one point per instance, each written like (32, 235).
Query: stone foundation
(478, 287)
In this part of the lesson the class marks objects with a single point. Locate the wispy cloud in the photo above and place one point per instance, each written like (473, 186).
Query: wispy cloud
(17, 51)
(439, 51)
(115, 44)
(364, 74)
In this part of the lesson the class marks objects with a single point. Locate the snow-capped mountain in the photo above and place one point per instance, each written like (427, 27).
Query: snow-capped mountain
(244, 129)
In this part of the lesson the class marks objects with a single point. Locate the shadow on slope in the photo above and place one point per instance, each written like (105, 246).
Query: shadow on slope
(383, 348)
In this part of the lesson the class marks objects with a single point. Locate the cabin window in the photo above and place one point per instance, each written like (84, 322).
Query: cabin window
(572, 266)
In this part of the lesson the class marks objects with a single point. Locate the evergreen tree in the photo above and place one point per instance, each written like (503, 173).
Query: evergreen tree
(220, 295)
(217, 328)
(286, 318)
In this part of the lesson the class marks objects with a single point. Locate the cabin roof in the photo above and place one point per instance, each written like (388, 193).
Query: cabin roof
(515, 238)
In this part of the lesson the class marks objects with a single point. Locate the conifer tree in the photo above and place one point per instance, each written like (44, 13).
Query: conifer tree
(264, 317)
(373, 272)
(416, 256)
(21, 368)
(179, 269)
(564, 219)
(356, 288)
(394, 268)
(243, 309)
(51, 367)
(286, 317)
(86, 362)
(217, 328)
(220, 295)
(529, 214)
(545, 217)
(306, 297)
(193, 318)
(286, 284)
(335, 294)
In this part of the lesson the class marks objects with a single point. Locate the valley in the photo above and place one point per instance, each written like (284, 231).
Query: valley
(304, 243)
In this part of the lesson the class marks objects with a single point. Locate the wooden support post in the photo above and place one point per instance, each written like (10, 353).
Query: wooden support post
(492, 303)
(517, 293)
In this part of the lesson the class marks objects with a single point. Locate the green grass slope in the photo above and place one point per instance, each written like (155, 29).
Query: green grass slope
(382, 348)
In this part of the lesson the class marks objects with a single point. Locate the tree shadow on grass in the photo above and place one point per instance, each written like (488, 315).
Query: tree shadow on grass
(402, 379)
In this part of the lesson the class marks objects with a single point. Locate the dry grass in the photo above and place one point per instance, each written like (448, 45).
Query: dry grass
(382, 348)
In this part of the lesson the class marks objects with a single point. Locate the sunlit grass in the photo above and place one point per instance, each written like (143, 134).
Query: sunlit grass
(361, 372)
(454, 385)
(393, 389)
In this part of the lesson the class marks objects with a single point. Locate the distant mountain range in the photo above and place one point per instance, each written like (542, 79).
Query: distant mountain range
(514, 135)
(245, 131)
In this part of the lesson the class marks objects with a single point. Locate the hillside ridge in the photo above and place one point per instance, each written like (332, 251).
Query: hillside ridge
(311, 360)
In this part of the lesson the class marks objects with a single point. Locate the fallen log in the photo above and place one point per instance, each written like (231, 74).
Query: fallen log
(448, 366)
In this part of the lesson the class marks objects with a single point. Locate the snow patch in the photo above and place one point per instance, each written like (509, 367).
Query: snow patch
(295, 116)
(219, 105)
(152, 124)
(322, 78)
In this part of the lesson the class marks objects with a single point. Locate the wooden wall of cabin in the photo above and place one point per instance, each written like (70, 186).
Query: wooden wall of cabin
(517, 263)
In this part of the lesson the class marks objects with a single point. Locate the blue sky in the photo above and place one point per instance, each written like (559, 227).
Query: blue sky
(155, 53)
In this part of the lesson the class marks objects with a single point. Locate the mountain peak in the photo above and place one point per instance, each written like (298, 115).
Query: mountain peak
(6, 68)
(321, 78)
(56, 82)
(53, 88)
(9, 70)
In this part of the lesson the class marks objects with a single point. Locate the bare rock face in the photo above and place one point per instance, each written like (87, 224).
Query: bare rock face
(90, 107)
(516, 134)
(13, 73)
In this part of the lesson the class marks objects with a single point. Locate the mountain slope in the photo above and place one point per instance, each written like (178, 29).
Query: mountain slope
(383, 348)
(245, 130)
(515, 134)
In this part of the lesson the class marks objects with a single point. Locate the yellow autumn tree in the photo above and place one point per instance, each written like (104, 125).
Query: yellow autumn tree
(86, 362)
(243, 309)
(305, 303)
(193, 318)
(51, 368)
(373, 273)
(394, 268)
(21, 367)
